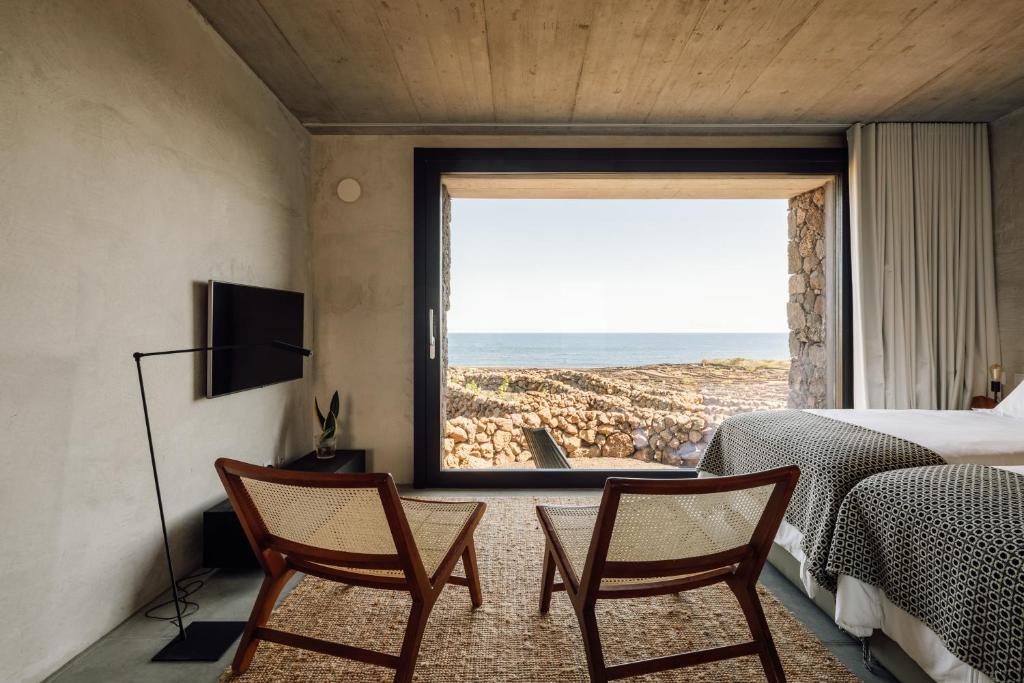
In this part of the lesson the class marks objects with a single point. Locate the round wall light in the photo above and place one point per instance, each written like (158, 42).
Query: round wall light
(349, 190)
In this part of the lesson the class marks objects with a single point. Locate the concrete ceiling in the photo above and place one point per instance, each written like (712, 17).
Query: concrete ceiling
(629, 185)
(631, 62)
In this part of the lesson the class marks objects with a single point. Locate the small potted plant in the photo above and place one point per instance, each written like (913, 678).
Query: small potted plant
(327, 437)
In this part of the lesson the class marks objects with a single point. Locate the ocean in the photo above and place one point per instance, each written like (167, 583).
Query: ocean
(554, 350)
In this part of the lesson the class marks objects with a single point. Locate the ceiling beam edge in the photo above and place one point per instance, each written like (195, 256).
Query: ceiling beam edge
(836, 130)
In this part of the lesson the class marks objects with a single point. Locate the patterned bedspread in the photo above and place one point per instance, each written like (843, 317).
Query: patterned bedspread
(946, 544)
(833, 457)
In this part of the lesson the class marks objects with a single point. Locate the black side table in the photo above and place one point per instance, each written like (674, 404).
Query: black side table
(224, 542)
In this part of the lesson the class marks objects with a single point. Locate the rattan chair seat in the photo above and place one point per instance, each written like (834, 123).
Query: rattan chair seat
(435, 528)
(651, 528)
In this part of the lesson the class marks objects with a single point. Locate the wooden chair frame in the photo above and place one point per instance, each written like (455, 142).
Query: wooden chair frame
(281, 558)
(738, 568)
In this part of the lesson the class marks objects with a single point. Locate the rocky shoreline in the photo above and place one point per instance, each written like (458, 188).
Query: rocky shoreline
(653, 415)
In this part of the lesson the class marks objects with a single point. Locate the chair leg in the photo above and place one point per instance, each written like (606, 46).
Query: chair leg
(472, 573)
(264, 605)
(418, 616)
(592, 644)
(547, 581)
(750, 602)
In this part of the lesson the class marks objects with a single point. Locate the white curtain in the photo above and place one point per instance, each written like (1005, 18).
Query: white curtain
(925, 329)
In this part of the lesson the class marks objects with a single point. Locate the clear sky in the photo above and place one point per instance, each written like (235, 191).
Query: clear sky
(610, 265)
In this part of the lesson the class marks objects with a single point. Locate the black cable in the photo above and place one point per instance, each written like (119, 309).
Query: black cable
(186, 586)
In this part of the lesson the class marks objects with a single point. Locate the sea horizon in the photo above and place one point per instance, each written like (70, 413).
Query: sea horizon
(609, 349)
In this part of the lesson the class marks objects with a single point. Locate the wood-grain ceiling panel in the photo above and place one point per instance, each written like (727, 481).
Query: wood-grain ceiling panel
(945, 34)
(345, 46)
(631, 62)
(536, 52)
(732, 44)
(980, 84)
(250, 32)
(836, 38)
(649, 36)
(441, 51)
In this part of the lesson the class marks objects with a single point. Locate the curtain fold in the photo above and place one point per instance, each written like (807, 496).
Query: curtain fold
(925, 328)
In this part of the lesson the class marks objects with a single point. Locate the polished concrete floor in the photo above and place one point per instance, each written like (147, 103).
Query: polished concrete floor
(123, 655)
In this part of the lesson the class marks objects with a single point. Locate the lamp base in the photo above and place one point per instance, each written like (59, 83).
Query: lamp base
(205, 641)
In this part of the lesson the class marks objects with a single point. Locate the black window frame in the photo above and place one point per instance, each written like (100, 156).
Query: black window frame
(431, 164)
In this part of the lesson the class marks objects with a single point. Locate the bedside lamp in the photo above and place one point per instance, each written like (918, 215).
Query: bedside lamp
(996, 380)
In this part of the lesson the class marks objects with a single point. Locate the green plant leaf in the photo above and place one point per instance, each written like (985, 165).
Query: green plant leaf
(329, 429)
(319, 415)
(335, 404)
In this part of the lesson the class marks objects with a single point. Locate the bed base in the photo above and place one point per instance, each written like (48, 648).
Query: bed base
(883, 648)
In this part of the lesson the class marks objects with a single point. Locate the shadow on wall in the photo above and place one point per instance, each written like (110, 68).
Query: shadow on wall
(345, 423)
(200, 305)
(150, 586)
(283, 434)
(346, 435)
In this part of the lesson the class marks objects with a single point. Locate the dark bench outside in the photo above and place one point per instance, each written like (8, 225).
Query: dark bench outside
(547, 454)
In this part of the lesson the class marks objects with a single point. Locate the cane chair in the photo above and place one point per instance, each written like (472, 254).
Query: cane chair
(354, 529)
(653, 537)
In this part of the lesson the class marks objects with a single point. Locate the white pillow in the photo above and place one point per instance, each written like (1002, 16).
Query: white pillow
(1012, 405)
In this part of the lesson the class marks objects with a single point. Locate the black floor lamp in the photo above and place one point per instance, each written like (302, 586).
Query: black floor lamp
(202, 641)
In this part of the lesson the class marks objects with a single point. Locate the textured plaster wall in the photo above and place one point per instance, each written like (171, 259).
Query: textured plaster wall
(138, 158)
(1008, 208)
(363, 273)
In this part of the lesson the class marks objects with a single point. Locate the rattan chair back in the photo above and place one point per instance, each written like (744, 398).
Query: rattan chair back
(648, 529)
(344, 521)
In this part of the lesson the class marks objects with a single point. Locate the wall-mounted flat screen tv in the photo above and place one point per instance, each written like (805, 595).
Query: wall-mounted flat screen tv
(252, 317)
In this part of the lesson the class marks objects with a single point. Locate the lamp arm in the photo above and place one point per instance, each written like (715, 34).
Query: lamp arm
(283, 346)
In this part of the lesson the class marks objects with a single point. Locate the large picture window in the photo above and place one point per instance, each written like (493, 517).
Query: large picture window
(589, 313)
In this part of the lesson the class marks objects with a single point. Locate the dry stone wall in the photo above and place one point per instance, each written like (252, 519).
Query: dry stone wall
(589, 416)
(808, 297)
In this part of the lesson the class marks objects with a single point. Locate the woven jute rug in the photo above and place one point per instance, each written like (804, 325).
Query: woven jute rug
(509, 640)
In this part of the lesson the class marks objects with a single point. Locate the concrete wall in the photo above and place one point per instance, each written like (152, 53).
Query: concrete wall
(1007, 135)
(363, 273)
(138, 158)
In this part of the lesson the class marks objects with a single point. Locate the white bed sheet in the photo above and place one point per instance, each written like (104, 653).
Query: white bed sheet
(861, 608)
(956, 436)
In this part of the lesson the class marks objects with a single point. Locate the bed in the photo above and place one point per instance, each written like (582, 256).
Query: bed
(836, 450)
(903, 438)
(934, 558)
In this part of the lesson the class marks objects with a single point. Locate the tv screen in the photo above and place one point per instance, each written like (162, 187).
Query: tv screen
(255, 316)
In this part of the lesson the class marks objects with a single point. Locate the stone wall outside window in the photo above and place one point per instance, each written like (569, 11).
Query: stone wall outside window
(807, 307)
